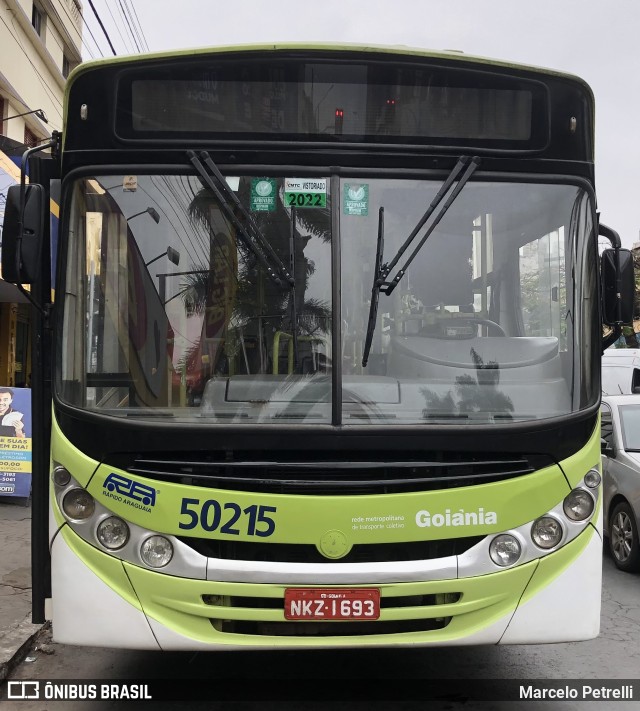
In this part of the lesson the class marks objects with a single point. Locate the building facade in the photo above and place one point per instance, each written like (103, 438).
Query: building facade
(40, 43)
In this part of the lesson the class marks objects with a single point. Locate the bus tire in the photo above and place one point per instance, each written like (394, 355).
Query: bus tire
(623, 538)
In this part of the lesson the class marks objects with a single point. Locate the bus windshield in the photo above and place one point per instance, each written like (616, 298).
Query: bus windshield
(172, 310)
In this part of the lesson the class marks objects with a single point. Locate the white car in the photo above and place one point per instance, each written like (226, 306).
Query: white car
(621, 371)
(621, 478)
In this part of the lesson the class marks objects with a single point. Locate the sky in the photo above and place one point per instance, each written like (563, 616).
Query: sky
(598, 40)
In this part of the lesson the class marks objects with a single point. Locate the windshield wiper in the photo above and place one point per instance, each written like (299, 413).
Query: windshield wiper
(249, 231)
(462, 171)
(375, 289)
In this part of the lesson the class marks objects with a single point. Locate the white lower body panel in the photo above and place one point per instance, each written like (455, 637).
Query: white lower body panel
(86, 611)
(563, 611)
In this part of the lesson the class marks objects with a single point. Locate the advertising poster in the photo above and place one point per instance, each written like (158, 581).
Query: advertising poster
(15, 441)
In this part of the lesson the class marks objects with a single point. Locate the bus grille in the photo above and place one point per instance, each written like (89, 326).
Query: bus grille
(421, 623)
(301, 553)
(330, 474)
(328, 629)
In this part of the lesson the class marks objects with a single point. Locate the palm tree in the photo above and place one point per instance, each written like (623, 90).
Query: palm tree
(252, 298)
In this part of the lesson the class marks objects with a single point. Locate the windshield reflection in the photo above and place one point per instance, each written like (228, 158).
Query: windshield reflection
(171, 308)
(182, 303)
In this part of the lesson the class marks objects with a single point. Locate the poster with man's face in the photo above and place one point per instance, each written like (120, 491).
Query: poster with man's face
(15, 441)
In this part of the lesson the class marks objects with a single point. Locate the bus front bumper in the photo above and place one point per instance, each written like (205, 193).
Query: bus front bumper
(99, 600)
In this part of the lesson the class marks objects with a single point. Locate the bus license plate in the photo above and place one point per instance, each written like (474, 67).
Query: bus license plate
(331, 604)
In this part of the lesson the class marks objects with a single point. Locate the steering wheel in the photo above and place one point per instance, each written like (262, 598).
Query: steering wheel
(490, 324)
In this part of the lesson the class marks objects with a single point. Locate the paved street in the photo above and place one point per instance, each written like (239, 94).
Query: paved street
(15, 580)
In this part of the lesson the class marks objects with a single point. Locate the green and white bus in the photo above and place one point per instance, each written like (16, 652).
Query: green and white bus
(319, 332)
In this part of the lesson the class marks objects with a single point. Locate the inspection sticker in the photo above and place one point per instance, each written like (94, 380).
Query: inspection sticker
(305, 192)
(356, 199)
(263, 194)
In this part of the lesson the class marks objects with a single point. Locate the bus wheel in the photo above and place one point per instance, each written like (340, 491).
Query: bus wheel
(623, 538)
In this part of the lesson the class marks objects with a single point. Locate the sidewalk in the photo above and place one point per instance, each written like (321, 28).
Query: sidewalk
(16, 630)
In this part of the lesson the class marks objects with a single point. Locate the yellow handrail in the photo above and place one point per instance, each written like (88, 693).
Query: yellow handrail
(276, 348)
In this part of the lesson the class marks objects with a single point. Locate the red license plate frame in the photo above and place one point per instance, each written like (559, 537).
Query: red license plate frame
(331, 604)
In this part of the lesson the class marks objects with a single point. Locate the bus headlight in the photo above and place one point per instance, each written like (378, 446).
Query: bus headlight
(61, 476)
(156, 551)
(78, 504)
(505, 550)
(546, 532)
(113, 533)
(578, 505)
(592, 478)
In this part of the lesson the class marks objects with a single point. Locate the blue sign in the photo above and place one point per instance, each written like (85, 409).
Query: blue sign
(130, 489)
(15, 442)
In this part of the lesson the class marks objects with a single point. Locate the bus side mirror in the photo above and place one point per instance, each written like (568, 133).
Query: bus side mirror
(22, 234)
(618, 286)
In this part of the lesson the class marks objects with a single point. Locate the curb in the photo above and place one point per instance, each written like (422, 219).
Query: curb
(15, 643)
